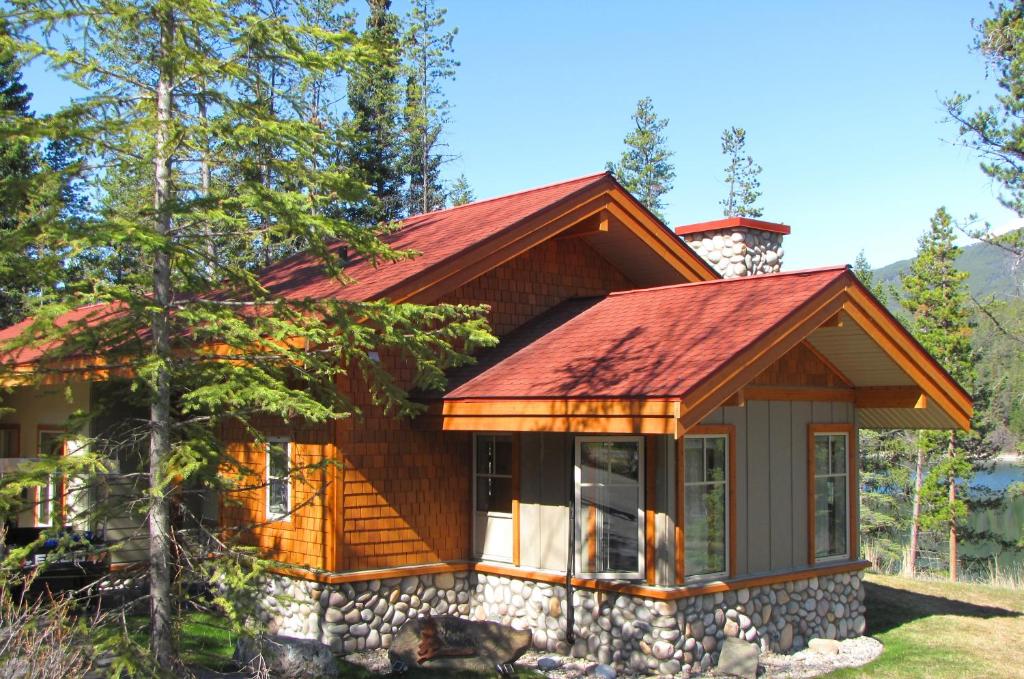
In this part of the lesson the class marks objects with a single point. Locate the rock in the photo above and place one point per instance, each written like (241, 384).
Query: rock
(548, 663)
(662, 650)
(602, 671)
(336, 600)
(824, 646)
(490, 643)
(738, 658)
(287, 657)
(444, 580)
(786, 637)
(731, 628)
(555, 607)
(709, 643)
(859, 625)
(333, 615)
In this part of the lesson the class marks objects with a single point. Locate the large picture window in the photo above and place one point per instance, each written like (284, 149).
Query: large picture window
(279, 496)
(609, 506)
(492, 496)
(705, 505)
(831, 495)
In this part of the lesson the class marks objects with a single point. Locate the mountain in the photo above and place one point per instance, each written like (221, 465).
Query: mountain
(990, 268)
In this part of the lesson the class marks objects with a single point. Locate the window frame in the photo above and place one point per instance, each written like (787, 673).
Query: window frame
(849, 433)
(273, 517)
(52, 485)
(728, 484)
(641, 509)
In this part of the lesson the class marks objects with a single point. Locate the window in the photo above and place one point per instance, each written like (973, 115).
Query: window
(279, 500)
(492, 496)
(50, 444)
(831, 494)
(609, 506)
(9, 435)
(706, 505)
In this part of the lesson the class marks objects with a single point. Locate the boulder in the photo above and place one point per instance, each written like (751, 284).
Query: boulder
(738, 658)
(287, 657)
(449, 643)
(824, 646)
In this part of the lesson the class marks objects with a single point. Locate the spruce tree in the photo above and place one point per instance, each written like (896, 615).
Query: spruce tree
(428, 50)
(377, 150)
(18, 162)
(936, 301)
(740, 176)
(196, 340)
(645, 168)
(461, 192)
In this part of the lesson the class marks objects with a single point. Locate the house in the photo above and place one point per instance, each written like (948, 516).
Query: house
(660, 453)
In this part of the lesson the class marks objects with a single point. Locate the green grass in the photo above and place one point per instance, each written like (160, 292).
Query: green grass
(941, 629)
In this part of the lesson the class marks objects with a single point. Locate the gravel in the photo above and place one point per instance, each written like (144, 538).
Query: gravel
(807, 663)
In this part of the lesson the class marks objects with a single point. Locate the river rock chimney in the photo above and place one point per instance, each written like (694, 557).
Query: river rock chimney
(737, 246)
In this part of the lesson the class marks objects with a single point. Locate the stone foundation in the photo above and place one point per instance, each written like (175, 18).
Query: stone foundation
(739, 251)
(629, 632)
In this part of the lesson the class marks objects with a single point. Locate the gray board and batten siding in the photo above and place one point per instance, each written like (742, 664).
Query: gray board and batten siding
(771, 488)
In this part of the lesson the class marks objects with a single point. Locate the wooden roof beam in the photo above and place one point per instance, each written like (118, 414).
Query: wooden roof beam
(890, 397)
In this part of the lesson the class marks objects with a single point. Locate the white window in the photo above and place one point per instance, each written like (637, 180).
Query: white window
(50, 444)
(706, 505)
(492, 496)
(831, 495)
(279, 495)
(610, 506)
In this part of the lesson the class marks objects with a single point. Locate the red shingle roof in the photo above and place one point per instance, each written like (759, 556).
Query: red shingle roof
(656, 342)
(437, 236)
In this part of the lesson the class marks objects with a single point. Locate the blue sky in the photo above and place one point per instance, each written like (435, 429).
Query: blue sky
(841, 102)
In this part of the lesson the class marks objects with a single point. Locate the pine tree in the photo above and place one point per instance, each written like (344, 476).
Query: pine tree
(645, 168)
(376, 152)
(18, 162)
(740, 176)
(461, 192)
(174, 81)
(936, 300)
(428, 50)
(862, 269)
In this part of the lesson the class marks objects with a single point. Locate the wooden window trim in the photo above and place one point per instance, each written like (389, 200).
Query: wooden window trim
(729, 431)
(55, 485)
(650, 508)
(641, 571)
(852, 497)
(16, 447)
(289, 455)
(517, 447)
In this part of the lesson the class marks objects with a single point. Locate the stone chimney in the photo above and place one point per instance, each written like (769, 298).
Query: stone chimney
(737, 246)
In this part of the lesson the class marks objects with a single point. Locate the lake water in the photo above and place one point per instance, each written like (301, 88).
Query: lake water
(1002, 474)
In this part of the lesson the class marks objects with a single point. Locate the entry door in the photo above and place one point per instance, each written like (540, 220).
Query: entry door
(492, 497)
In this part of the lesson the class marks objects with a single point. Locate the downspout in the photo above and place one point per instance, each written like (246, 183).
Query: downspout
(570, 617)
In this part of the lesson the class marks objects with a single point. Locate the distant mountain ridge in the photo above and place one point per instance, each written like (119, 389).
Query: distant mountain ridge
(990, 268)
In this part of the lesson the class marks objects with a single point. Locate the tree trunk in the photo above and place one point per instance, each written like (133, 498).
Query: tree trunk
(161, 640)
(915, 519)
(954, 565)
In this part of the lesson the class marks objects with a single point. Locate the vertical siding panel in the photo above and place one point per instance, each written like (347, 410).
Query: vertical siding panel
(758, 487)
(781, 485)
(666, 525)
(821, 412)
(717, 417)
(554, 509)
(530, 475)
(802, 413)
(737, 416)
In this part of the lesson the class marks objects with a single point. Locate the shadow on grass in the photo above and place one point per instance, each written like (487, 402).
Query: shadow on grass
(889, 608)
(352, 671)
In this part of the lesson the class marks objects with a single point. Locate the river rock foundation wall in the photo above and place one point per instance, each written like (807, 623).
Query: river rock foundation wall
(632, 633)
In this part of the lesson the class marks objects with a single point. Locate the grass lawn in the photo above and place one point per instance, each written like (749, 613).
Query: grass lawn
(940, 629)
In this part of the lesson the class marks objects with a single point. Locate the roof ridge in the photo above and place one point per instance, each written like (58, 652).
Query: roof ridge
(594, 175)
(778, 274)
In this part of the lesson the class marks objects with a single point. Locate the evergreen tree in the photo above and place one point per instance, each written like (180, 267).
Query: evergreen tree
(862, 269)
(428, 50)
(461, 192)
(169, 109)
(18, 162)
(645, 168)
(936, 300)
(740, 176)
(376, 152)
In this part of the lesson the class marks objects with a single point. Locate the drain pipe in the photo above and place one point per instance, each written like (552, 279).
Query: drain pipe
(570, 617)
